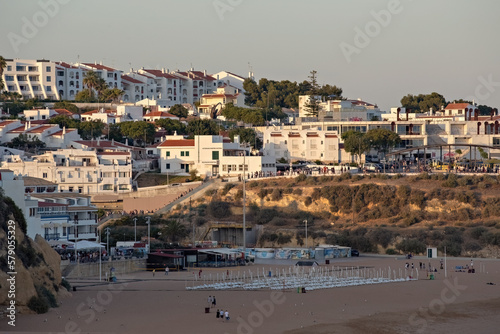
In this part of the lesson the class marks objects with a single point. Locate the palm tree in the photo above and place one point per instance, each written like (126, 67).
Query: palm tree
(91, 80)
(3, 64)
(175, 231)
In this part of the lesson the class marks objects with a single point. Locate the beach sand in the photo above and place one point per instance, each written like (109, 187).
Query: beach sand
(138, 302)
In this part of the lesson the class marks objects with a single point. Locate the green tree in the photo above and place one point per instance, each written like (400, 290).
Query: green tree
(66, 105)
(174, 231)
(27, 143)
(85, 96)
(171, 126)
(199, 127)
(91, 81)
(114, 132)
(423, 102)
(3, 64)
(382, 139)
(65, 121)
(313, 106)
(247, 135)
(179, 110)
(112, 95)
(140, 131)
(355, 143)
(91, 129)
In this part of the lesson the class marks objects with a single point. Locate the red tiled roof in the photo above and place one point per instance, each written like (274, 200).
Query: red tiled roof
(295, 135)
(312, 134)
(65, 65)
(457, 106)
(40, 129)
(329, 135)
(159, 73)
(132, 80)
(177, 142)
(275, 134)
(63, 112)
(60, 132)
(103, 144)
(100, 67)
(114, 153)
(5, 123)
(91, 112)
(18, 129)
(159, 114)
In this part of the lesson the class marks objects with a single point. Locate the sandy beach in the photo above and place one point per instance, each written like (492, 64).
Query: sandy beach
(461, 303)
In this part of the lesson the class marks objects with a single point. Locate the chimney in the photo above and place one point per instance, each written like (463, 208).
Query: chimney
(205, 72)
(64, 130)
(163, 70)
(25, 126)
(100, 63)
(397, 114)
(407, 114)
(95, 62)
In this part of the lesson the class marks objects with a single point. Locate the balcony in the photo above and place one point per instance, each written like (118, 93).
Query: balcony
(52, 236)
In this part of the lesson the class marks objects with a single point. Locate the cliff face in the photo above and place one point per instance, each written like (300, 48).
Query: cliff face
(36, 265)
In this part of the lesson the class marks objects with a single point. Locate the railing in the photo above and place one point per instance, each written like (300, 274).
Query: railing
(52, 236)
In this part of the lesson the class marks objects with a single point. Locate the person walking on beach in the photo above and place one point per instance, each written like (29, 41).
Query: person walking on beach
(217, 314)
(209, 300)
(221, 314)
(214, 303)
(166, 270)
(154, 270)
(227, 315)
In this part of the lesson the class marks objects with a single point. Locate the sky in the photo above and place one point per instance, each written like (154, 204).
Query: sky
(376, 50)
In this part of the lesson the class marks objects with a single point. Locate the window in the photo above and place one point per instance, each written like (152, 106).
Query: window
(167, 166)
(187, 153)
(9, 68)
(215, 155)
(107, 187)
(49, 89)
(70, 189)
(182, 153)
(9, 78)
(32, 212)
(182, 166)
(48, 69)
(20, 68)
(64, 231)
(60, 73)
(168, 153)
(123, 174)
(49, 79)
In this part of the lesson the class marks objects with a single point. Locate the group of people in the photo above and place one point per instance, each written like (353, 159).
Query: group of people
(220, 313)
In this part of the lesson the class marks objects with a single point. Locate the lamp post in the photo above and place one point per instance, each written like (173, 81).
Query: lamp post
(107, 229)
(148, 221)
(305, 221)
(100, 256)
(244, 208)
(135, 229)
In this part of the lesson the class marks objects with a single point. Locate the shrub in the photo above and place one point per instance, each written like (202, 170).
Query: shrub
(297, 191)
(66, 284)
(451, 182)
(38, 305)
(276, 195)
(227, 188)
(411, 246)
(308, 201)
(300, 178)
(262, 193)
(278, 221)
(265, 216)
(390, 251)
(219, 209)
(253, 184)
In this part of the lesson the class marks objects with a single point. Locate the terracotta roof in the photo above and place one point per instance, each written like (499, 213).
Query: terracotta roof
(5, 123)
(295, 135)
(220, 95)
(276, 135)
(99, 67)
(103, 144)
(49, 204)
(40, 129)
(457, 106)
(159, 114)
(60, 132)
(132, 80)
(36, 181)
(329, 135)
(19, 129)
(65, 65)
(159, 73)
(91, 112)
(177, 142)
(312, 134)
(63, 112)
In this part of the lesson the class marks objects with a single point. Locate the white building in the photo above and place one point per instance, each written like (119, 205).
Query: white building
(69, 80)
(77, 170)
(53, 136)
(225, 94)
(113, 77)
(45, 114)
(341, 110)
(230, 79)
(31, 78)
(210, 156)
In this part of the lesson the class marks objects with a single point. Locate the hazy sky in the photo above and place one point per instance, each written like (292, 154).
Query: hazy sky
(447, 46)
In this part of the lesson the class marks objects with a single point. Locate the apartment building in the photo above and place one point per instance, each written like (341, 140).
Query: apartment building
(340, 110)
(210, 156)
(223, 95)
(53, 136)
(50, 213)
(69, 79)
(78, 170)
(31, 78)
(113, 77)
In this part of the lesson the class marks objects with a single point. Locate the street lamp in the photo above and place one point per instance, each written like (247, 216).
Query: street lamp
(107, 229)
(305, 221)
(244, 208)
(135, 229)
(148, 221)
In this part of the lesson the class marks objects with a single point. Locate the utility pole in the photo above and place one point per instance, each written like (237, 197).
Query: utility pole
(148, 221)
(107, 229)
(244, 208)
(135, 229)
(305, 221)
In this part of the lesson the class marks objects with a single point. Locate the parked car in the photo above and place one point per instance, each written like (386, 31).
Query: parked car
(372, 167)
(354, 252)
